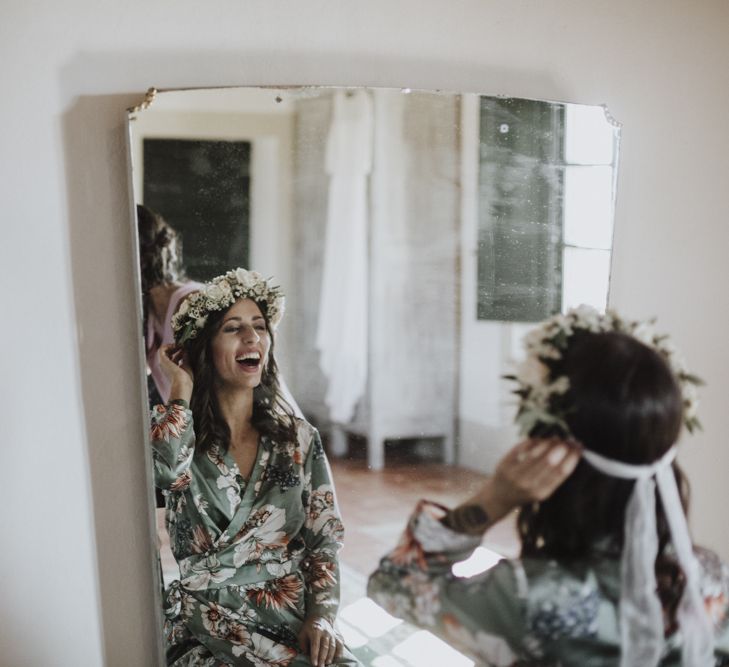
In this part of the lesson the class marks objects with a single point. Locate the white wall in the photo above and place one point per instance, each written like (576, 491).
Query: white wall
(76, 544)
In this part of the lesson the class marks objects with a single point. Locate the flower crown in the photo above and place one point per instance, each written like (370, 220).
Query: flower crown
(541, 394)
(221, 293)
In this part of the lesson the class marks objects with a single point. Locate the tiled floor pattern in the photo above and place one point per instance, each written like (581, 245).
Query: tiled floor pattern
(375, 506)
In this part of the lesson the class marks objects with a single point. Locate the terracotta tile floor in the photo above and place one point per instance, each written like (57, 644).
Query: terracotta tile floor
(375, 506)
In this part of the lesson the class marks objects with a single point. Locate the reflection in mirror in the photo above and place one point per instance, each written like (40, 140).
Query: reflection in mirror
(414, 235)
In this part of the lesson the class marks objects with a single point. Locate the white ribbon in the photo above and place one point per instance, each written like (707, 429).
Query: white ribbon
(641, 613)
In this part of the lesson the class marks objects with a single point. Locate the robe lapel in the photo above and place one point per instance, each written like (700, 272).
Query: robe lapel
(251, 493)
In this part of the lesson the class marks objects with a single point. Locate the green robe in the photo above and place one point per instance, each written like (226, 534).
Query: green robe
(256, 556)
(520, 612)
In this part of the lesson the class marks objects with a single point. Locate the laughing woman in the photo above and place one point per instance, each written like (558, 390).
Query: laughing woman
(251, 510)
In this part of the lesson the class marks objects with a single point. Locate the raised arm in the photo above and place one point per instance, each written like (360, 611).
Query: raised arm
(481, 615)
(171, 430)
(530, 472)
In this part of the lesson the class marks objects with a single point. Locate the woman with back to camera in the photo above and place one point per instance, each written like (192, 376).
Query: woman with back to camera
(251, 510)
(164, 286)
(607, 574)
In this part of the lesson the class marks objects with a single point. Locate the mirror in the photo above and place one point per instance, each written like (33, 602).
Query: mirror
(415, 235)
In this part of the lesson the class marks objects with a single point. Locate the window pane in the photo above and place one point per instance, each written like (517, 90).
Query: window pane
(586, 277)
(520, 210)
(589, 137)
(588, 207)
(202, 189)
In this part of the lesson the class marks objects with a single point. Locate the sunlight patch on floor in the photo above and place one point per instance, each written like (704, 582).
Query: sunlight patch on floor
(379, 639)
(369, 617)
(480, 560)
(386, 661)
(423, 648)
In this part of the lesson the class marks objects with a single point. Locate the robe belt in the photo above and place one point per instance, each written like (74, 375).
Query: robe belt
(206, 572)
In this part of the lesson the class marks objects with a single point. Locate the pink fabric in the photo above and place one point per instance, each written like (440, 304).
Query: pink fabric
(160, 333)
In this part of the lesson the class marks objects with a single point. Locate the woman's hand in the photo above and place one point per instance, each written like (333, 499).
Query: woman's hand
(174, 364)
(320, 641)
(531, 472)
(534, 469)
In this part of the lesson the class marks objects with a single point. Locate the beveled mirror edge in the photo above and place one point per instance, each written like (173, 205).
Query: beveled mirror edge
(152, 93)
(143, 392)
(618, 126)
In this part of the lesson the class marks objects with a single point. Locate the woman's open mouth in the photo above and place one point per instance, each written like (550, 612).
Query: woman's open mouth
(250, 362)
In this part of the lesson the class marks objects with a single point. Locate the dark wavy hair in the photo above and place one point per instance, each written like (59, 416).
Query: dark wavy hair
(272, 415)
(160, 252)
(624, 403)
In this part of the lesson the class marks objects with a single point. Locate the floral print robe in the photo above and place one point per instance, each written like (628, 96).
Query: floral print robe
(256, 556)
(522, 612)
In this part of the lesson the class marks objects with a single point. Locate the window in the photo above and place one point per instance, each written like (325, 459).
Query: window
(202, 189)
(589, 184)
(546, 183)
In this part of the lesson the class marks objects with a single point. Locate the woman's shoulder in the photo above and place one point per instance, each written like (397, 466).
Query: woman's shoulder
(307, 435)
(578, 574)
(302, 426)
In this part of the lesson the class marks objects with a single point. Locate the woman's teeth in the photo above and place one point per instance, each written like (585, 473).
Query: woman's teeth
(250, 359)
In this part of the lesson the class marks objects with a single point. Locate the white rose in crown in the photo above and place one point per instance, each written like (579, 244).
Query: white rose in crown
(559, 323)
(532, 372)
(590, 319)
(214, 293)
(247, 279)
(225, 289)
